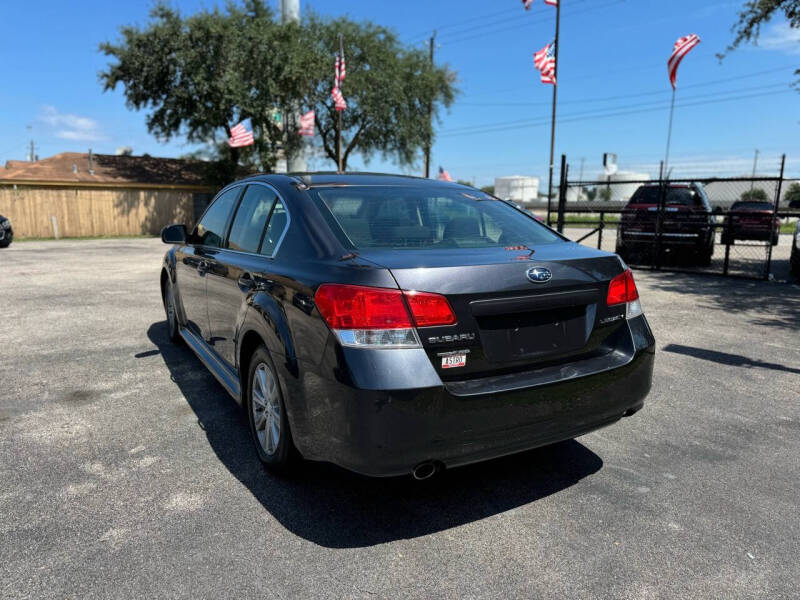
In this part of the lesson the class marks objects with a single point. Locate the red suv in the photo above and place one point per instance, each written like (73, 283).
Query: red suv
(750, 220)
(687, 226)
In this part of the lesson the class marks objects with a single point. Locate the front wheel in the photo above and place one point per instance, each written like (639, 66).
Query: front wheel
(266, 412)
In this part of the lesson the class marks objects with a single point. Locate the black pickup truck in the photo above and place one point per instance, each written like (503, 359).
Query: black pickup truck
(687, 226)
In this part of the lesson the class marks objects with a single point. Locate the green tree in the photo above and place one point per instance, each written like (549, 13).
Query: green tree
(388, 88)
(488, 189)
(754, 14)
(792, 194)
(195, 76)
(755, 195)
(198, 75)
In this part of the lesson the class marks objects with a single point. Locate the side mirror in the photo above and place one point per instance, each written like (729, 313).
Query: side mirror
(174, 234)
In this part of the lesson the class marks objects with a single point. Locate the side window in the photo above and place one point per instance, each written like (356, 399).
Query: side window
(210, 231)
(251, 216)
(277, 224)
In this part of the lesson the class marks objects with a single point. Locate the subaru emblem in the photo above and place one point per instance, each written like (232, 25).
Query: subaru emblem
(539, 274)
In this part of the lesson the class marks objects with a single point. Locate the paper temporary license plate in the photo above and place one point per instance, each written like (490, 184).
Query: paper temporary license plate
(455, 360)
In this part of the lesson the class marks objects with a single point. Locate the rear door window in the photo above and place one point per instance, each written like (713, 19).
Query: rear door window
(210, 231)
(251, 216)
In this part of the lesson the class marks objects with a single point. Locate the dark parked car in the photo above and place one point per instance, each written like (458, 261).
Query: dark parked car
(749, 220)
(795, 260)
(398, 325)
(687, 225)
(6, 233)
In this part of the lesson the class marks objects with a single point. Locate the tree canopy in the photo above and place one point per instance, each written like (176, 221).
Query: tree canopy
(199, 75)
(755, 13)
(754, 195)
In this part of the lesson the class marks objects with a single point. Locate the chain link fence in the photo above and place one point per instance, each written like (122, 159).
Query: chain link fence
(738, 227)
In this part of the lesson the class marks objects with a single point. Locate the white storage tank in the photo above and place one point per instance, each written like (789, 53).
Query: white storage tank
(619, 190)
(521, 189)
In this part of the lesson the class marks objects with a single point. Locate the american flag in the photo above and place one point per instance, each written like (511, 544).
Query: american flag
(340, 72)
(528, 3)
(682, 47)
(545, 61)
(241, 135)
(307, 124)
(444, 175)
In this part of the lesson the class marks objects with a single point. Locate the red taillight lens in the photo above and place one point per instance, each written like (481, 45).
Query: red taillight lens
(622, 289)
(429, 310)
(358, 307)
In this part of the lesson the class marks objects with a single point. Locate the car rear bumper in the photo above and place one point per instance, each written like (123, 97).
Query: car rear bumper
(385, 433)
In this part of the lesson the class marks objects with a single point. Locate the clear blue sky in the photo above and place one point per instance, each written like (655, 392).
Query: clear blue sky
(613, 62)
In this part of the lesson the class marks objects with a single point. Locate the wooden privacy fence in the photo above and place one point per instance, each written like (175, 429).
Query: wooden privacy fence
(95, 211)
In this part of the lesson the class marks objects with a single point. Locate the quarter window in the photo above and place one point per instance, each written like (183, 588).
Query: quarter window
(210, 231)
(275, 229)
(251, 216)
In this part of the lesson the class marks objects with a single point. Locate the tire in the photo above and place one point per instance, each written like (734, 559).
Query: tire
(266, 414)
(6, 242)
(775, 239)
(173, 327)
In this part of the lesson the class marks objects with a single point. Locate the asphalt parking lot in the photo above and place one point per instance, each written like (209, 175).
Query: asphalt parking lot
(125, 469)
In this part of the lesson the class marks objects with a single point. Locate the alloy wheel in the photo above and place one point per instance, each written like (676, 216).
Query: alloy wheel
(266, 408)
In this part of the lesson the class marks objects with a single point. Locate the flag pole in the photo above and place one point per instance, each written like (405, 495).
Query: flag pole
(669, 130)
(339, 136)
(553, 123)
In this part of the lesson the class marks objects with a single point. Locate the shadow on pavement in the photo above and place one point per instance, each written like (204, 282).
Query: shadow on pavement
(335, 508)
(723, 358)
(770, 304)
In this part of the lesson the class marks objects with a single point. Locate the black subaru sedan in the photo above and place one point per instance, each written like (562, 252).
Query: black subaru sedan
(395, 325)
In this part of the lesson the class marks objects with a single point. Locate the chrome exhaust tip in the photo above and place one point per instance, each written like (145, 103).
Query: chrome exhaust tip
(424, 470)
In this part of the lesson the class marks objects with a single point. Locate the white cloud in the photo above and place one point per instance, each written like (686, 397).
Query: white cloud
(71, 127)
(781, 37)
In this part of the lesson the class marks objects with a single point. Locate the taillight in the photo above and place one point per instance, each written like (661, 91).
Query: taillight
(379, 317)
(430, 310)
(622, 290)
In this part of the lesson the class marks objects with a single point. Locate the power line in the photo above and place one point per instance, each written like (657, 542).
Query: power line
(459, 39)
(622, 107)
(601, 115)
(625, 96)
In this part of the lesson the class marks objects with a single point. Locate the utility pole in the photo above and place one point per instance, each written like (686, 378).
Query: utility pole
(32, 152)
(755, 166)
(553, 124)
(295, 161)
(339, 113)
(431, 46)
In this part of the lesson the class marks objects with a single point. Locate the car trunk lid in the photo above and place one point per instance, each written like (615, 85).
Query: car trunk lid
(506, 320)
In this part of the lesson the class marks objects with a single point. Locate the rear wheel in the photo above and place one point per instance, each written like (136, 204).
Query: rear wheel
(775, 238)
(172, 316)
(266, 413)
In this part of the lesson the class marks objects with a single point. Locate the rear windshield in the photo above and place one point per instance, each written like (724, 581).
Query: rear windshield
(679, 196)
(751, 206)
(428, 217)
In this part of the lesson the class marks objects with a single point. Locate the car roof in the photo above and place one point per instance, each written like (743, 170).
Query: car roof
(322, 178)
